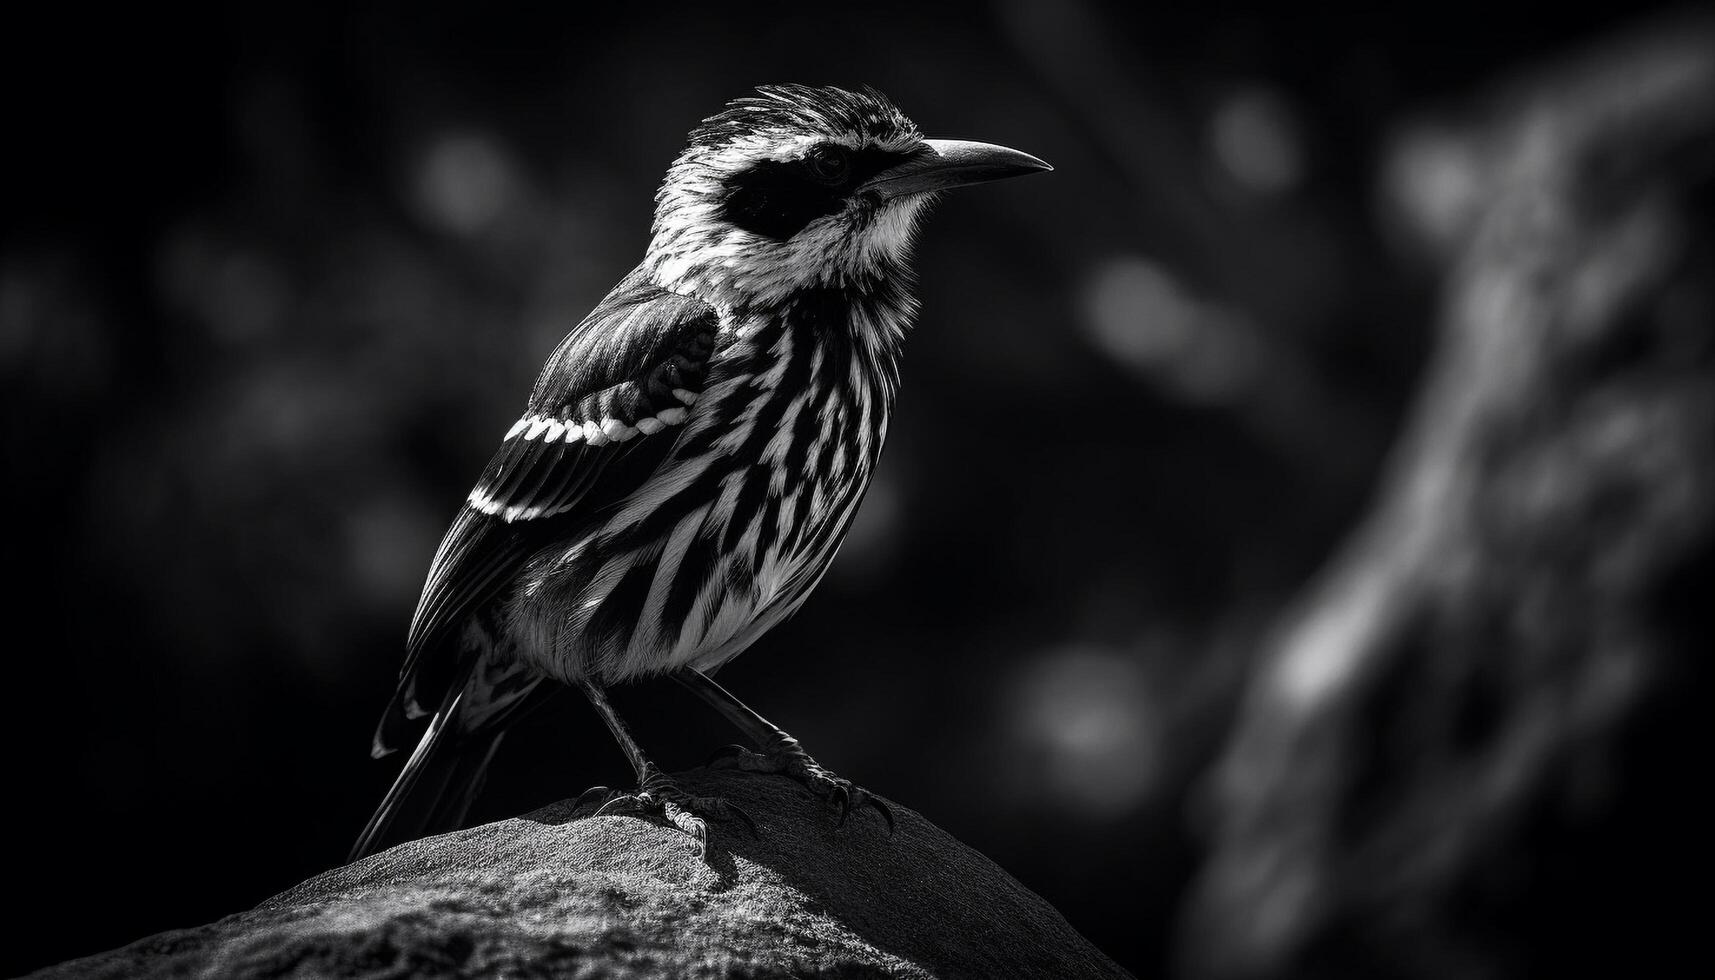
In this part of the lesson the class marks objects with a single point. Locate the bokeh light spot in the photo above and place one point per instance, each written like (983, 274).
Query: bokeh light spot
(1434, 179)
(1255, 135)
(1140, 315)
(1083, 716)
(465, 182)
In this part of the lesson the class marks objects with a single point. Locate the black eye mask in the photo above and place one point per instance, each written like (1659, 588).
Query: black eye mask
(778, 198)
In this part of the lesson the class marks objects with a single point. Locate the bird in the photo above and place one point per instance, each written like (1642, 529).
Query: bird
(689, 458)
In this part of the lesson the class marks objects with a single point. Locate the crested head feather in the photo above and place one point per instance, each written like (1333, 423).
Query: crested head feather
(742, 218)
(828, 111)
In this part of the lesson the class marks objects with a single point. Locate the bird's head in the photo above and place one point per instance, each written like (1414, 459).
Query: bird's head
(799, 187)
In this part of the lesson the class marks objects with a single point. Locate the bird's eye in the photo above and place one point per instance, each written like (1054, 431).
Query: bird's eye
(828, 164)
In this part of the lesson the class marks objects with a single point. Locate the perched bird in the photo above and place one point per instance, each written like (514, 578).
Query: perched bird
(691, 455)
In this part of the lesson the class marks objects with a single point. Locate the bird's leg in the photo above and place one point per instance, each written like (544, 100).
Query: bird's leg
(777, 751)
(657, 793)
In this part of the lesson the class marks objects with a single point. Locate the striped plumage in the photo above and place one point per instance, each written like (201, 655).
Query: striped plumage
(692, 453)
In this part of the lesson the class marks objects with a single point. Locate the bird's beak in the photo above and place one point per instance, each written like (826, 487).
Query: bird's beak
(941, 164)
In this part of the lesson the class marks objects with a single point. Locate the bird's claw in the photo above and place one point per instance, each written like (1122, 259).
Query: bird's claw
(857, 797)
(862, 797)
(591, 795)
(788, 759)
(660, 797)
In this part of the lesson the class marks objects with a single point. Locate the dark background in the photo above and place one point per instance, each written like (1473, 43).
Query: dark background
(276, 279)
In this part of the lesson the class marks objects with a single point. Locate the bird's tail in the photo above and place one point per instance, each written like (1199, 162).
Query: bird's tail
(436, 787)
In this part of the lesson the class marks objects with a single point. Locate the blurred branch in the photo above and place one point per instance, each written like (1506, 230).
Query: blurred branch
(1464, 663)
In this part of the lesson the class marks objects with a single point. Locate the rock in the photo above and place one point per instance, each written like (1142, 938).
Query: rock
(563, 893)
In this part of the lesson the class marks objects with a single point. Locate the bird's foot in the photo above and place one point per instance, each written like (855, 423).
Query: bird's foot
(785, 756)
(659, 796)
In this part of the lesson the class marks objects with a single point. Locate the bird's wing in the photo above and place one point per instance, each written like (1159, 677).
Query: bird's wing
(603, 413)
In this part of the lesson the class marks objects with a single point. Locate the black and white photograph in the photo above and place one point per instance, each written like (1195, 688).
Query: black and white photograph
(1010, 489)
